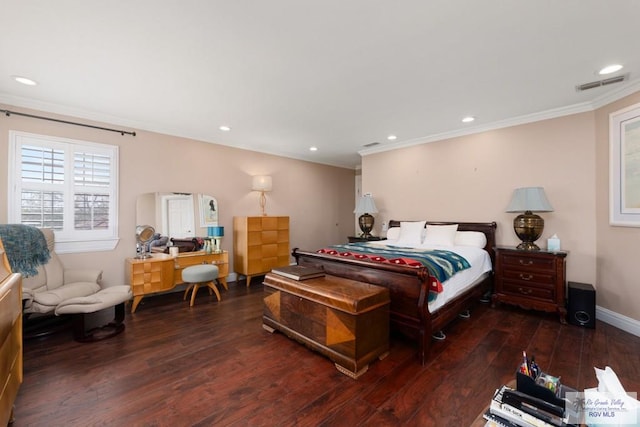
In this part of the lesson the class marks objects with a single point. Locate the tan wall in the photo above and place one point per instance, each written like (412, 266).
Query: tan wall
(472, 178)
(319, 199)
(618, 273)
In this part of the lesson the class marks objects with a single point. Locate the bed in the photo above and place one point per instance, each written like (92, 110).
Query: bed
(418, 308)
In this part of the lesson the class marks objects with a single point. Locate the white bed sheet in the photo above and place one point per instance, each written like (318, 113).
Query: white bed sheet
(480, 262)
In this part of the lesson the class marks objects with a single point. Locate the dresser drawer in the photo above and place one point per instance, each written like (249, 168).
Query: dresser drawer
(516, 288)
(528, 263)
(531, 276)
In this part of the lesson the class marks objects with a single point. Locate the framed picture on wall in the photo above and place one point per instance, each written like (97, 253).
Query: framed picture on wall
(208, 210)
(624, 167)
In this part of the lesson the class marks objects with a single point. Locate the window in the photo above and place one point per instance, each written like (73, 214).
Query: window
(67, 185)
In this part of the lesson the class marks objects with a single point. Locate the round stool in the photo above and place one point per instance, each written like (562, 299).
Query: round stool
(199, 276)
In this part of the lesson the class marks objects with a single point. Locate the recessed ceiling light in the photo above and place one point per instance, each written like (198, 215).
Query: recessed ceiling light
(224, 128)
(313, 148)
(392, 137)
(25, 81)
(468, 119)
(610, 69)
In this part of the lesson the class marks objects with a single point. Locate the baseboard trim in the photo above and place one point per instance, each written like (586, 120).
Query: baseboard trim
(625, 323)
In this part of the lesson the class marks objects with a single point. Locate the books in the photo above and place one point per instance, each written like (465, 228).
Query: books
(298, 272)
(494, 420)
(512, 414)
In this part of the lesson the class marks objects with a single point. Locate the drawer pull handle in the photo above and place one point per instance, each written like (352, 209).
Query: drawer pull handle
(526, 261)
(526, 276)
(525, 291)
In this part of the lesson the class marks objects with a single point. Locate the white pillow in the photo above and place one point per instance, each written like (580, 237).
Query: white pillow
(393, 233)
(476, 239)
(410, 233)
(440, 235)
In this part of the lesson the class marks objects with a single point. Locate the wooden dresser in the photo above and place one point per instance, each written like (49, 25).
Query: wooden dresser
(531, 279)
(162, 272)
(260, 243)
(10, 338)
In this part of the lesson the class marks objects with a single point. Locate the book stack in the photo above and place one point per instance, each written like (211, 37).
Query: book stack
(298, 272)
(511, 408)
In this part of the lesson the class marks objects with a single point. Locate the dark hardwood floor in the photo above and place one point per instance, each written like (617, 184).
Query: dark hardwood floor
(214, 364)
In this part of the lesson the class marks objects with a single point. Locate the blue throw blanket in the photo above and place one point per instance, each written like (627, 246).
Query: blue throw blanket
(25, 246)
(440, 263)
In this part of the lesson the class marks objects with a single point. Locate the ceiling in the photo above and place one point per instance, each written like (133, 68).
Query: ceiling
(286, 75)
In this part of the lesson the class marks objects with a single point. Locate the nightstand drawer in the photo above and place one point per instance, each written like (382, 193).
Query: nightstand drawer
(528, 291)
(536, 278)
(526, 262)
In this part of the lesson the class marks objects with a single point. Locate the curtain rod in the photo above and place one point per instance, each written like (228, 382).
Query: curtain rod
(121, 132)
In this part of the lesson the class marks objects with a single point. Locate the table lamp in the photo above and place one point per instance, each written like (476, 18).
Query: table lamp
(262, 183)
(216, 233)
(528, 226)
(366, 206)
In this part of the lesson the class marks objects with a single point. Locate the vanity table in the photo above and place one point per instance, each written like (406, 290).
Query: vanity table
(162, 272)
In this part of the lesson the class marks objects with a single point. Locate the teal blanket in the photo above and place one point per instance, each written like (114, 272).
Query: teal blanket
(25, 246)
(440, 263)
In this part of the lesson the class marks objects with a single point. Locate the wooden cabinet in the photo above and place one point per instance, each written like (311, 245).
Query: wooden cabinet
(10, 338)
(162, 272)
(531, 279)
(260, 243)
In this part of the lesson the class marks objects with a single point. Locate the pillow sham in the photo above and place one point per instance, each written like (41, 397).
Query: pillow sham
(440, 235)
(410, 233)
(393, 233)
(476, 239)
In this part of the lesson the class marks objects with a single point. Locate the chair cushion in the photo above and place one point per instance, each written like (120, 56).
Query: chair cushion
(200, 273)
(54, 297)
(108, 297)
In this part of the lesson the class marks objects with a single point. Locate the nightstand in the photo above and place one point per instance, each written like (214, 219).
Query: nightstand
(531, 279)
(354, 239)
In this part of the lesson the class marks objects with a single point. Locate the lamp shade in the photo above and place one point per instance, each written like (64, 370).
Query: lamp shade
(529, 199)
(365, 205)
(261, 183)
(216, 231)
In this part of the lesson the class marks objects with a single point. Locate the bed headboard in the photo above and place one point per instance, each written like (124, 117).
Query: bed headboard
(488, 228)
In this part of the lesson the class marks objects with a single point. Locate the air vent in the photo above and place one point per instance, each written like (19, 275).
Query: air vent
(605, 82)
(371, 144)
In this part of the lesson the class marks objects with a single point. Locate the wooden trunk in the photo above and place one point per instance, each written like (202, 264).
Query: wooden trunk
(345, 320)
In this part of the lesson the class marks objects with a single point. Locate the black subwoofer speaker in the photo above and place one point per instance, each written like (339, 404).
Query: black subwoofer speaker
(582, 305)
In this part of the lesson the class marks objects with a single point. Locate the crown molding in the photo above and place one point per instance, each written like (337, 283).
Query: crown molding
(619, 93)
(599, 102)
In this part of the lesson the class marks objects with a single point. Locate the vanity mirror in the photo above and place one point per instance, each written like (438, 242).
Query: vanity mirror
(144, 234)
(183, 216)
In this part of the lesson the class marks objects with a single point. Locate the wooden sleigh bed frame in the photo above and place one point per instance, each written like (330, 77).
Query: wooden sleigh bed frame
(409, 287)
